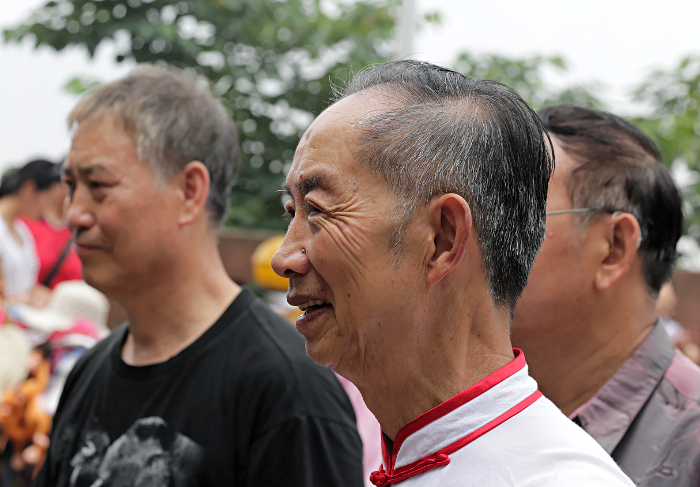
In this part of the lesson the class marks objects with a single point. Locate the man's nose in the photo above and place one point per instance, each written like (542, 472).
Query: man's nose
(77, 210)
(291, 259)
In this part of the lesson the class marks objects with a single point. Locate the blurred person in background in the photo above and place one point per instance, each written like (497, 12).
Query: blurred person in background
(587, 318)
(666, 308)
(30, 192)
(22, 192)
(15, 348)
(58, 261)
(204, 385)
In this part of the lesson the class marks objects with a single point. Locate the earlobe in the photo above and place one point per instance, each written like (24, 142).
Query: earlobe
(451, 220)
(194, 186)
(623, 238)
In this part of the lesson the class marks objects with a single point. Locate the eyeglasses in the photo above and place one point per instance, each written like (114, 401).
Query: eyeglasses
(607, 208)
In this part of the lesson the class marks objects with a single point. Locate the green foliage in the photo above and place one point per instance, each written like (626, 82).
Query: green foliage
(673, 97)
(271, 62)
(528, 77)
(80, 85)
(433, 17)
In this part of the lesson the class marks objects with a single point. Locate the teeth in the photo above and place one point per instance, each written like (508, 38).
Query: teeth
(313, 302)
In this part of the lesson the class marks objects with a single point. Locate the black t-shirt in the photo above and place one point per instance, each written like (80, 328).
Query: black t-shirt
(242, 406)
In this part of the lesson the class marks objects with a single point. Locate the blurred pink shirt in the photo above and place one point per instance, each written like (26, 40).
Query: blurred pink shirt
(369, 429)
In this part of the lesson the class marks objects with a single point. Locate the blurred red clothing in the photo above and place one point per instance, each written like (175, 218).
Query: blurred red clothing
(50, 242)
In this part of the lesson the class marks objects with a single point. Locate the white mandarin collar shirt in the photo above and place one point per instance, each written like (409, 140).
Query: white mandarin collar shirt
(499, 432)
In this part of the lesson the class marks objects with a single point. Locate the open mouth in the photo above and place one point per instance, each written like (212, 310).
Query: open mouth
(314, 304)
(313, 310)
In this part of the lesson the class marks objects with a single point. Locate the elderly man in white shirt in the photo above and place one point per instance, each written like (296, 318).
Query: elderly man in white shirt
(417, 206)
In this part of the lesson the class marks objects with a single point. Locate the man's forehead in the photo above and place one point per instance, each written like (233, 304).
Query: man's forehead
(100, 143)
(345, 113)
(565, 163)
(334, 122)
(327, 148)
(350, 109)
(558, 188)
(328, 142)
(71, 166)
(87, 159)
(315, 168)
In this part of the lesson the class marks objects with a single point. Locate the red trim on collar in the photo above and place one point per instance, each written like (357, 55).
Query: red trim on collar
(381, 478)
(488, 382)
(460, 399)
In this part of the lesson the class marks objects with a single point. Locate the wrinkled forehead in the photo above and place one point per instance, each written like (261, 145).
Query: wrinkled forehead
(327, 153)
(328, 145)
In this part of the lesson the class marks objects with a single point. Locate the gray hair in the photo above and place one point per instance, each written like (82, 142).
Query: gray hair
(448, 133)
(173, 122)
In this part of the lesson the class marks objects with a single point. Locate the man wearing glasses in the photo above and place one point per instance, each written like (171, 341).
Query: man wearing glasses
(587, 321)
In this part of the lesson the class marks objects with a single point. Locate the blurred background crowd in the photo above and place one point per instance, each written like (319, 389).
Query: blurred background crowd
(274, 63)
(49, 315)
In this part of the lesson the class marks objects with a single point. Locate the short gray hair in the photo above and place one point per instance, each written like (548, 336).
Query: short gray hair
(449, 133)
(173, 122)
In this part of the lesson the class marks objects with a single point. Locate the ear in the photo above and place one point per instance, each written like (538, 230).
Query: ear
(194, 187)
(451, 225)
(623, 237)
(28, 187)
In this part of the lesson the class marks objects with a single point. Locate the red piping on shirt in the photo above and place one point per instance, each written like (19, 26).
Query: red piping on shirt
(382, 478)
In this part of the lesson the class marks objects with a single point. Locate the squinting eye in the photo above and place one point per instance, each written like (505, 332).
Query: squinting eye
(311, 208)
(288, 215)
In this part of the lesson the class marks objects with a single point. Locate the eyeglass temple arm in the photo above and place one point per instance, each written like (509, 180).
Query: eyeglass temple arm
(583, 210)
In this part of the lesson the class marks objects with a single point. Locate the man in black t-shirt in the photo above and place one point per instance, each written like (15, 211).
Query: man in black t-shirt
(204, 386)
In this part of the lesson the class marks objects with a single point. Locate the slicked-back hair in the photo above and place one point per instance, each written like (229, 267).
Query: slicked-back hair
(620, 167)
(447, 133)
(173, 121)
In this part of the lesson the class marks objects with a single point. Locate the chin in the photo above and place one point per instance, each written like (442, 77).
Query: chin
(318, 354)
(89, 278)
(323, 354)
(96, 284)
(101, 283)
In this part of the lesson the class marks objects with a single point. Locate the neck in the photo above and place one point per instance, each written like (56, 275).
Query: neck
(167, 318)
(9, 209)
(572, 363)
(446, 355)
(54, 215)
